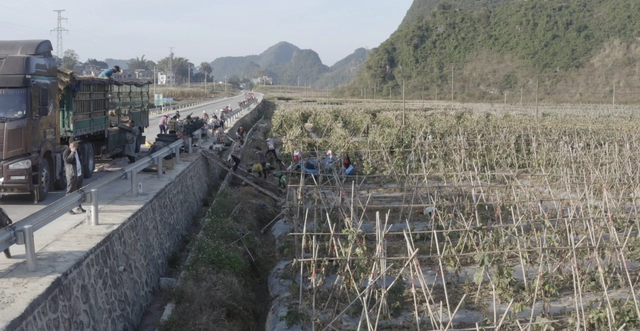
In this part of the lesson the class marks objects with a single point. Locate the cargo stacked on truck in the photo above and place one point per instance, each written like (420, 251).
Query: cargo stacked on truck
(43, 108)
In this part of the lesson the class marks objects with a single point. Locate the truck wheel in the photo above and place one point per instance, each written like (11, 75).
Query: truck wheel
(44, 176)
(89, 160)
(61, 183)
(7, 253)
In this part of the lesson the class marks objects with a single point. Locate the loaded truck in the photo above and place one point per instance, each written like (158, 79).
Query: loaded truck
(43, 108)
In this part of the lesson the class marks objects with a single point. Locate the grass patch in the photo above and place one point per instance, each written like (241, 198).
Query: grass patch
(224, 285)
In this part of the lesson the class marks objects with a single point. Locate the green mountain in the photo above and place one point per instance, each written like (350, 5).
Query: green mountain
(565, 46)
(287, 64)
(421, 9)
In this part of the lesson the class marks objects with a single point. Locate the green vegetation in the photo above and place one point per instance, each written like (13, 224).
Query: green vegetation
(223, 286)
(572, 45)
(421, 9)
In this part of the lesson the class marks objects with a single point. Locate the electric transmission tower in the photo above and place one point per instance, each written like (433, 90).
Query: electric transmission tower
(59, 29)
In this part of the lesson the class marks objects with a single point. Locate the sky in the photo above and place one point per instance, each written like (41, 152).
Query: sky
(202, 30)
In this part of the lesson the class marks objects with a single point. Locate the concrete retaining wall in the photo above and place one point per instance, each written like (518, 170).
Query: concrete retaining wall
(110, 288)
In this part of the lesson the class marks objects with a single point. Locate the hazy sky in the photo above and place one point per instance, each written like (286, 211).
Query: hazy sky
(204, 30)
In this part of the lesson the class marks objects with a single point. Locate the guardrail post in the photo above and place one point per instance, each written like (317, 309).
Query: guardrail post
(94, 207)
(29, 247)
(190, 141)
(134, 184)
(177, 152)
(159, 163)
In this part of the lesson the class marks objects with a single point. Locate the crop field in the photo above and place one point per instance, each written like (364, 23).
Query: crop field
(473, 218)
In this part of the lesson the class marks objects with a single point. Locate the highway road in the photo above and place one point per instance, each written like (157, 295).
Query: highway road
(21, 206)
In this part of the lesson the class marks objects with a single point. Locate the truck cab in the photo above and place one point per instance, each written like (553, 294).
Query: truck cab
(28, 125)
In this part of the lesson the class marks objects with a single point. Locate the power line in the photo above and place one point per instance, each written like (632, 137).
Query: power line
(59, 29)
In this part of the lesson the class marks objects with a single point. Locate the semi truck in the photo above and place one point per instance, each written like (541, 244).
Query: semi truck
(43, 108)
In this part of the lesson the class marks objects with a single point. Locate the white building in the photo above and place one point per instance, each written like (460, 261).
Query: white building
(166, 78)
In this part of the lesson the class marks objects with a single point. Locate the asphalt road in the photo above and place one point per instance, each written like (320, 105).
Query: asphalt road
(21, 206)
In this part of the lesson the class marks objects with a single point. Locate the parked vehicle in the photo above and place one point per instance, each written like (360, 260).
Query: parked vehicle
(42, 108)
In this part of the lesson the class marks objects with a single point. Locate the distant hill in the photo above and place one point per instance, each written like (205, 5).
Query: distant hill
(289, 65)
(305, 68)
(344, 71)
(277, 54)
(115, 62)
(576, 47)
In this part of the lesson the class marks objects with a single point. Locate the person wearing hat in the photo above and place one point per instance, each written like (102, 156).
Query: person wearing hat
(164, 123)
(108, 72)
(205, 116)
(73, 171)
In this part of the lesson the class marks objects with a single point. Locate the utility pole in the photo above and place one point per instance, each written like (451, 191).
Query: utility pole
(154, 81)
(225, 84)
(205, 80)
(171, 65)
(452, 87)
(59, 29)
(189, 75)
(403, 104)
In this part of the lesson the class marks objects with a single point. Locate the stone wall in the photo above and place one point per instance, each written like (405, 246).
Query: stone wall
(111, 287)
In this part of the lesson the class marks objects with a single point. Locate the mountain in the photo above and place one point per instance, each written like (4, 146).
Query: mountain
(115, 62)
(564, 45)
(421, 9)
(344, 71)
(277, 54)
(287, 64)
(304, 68)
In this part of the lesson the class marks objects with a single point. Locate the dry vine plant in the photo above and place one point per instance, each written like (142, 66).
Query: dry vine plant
(469, 218)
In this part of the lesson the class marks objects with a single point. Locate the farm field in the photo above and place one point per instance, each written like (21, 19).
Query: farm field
(478, 217)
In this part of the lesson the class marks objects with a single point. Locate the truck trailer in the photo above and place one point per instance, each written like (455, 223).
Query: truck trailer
(43, 108)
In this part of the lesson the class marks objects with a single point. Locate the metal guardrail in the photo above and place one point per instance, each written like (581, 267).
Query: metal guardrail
(161, 110)
(21, 232)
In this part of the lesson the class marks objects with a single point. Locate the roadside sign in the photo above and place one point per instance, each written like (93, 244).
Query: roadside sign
(168, 100)
(158, 100)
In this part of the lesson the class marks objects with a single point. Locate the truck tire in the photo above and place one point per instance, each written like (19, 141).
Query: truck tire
(44, 180)
(61, 183)
(88, 160)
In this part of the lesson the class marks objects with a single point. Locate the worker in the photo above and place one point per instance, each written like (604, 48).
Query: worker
(205, 116)
(222, 119)
(173, 124)
(131, 139)
(240, 133)
(271, 149)
(164, 123)
(73, 171)
(108, 72)
(346, 164)
(260, 159)
(235, 154)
